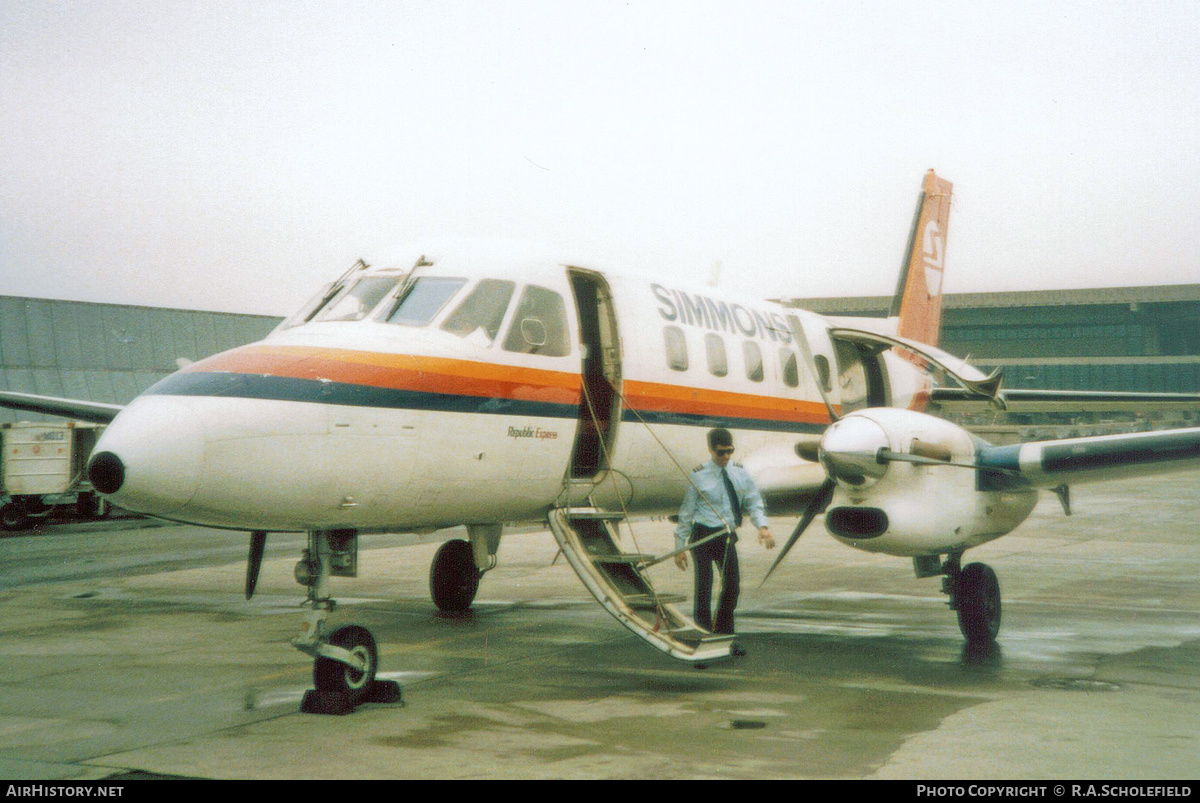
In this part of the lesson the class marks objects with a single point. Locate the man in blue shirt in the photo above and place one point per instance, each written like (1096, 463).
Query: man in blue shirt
(717, 496)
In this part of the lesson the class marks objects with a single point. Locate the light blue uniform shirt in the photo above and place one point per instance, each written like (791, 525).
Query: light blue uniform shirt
(707, 481)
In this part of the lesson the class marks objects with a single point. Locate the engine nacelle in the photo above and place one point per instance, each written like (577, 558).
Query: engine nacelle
(907, 485)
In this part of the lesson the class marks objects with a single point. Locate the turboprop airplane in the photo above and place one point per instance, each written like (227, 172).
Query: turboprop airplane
(482, 389)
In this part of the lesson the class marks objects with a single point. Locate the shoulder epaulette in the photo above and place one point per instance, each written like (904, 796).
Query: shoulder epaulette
(698, 468)
(738, 464)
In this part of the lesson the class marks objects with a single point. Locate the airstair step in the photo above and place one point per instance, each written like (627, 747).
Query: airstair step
(694, 635)
(595, 515)
(631, 558)
(589, 541)
(652, 600)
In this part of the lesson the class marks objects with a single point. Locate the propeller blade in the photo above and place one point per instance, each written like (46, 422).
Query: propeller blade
(258, 542)
(818, 504)
(809, 449)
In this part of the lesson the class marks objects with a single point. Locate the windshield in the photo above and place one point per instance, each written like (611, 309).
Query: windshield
(482, 311)
(424, 299)
(352, 303)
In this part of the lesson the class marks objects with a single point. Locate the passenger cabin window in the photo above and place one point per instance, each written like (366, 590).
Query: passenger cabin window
(676, 345)
(791, 372)
(480, 314)
(539, 325)
(718, 365)
(424, 299)
(753, 358)
(352, 303)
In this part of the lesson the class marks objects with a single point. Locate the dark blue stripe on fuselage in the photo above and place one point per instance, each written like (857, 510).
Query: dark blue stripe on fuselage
(708, 421)
(280, 388)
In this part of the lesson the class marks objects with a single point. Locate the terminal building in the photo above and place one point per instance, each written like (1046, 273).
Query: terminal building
(1129, 339)
(1124, 339)
(106, 352)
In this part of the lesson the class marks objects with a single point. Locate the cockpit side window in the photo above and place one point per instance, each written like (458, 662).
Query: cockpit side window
(424, 299)
(539, 325)
(352, 303)
(482, 311)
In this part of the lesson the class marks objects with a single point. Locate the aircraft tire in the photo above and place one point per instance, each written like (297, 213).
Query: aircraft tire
(333, 676)
(977, 601)
(14, 516)
(453, 577)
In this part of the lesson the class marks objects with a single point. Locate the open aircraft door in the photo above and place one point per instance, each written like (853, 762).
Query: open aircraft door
(600, 396)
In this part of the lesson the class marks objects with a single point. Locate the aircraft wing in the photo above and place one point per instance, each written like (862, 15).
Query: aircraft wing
(98, 412)
(1049, 464)
(955, 399)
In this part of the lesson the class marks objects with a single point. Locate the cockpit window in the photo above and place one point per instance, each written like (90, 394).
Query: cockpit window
(539, 325)
(424, 299)
(482, 311)
(353, 302)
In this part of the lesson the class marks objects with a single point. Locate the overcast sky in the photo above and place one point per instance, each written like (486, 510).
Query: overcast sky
(234, 155)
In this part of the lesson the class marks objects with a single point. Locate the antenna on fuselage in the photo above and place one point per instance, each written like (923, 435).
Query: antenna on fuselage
(714, 274)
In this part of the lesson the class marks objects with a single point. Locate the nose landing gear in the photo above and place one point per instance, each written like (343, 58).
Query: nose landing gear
(347, 661)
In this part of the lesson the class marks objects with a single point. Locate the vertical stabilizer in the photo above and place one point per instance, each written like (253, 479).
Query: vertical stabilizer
(918, 300)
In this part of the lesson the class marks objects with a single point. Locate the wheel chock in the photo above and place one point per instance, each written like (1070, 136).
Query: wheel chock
(326, 702)
(338, 703)
(384, 691)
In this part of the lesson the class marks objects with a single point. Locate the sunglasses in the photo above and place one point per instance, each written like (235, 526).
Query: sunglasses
(725, 450)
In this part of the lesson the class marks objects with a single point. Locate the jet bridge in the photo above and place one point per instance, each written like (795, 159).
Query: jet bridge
(591, 542)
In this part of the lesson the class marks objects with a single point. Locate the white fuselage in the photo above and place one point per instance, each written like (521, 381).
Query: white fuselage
(413, 422)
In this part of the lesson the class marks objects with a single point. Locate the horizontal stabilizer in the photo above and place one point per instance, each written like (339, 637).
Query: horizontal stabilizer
(68, 408)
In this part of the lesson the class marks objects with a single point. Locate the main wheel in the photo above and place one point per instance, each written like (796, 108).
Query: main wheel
(977, 600)
(14, 516)
(330, 675)
(453, 577)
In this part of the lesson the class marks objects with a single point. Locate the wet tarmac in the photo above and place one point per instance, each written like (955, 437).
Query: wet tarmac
(129, 648)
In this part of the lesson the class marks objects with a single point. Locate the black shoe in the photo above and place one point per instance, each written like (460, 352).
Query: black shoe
(737, 650)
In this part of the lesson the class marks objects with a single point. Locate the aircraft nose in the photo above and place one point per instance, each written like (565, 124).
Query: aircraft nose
(149, 458)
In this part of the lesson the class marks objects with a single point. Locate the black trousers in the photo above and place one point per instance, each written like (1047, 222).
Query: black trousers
(721, 553)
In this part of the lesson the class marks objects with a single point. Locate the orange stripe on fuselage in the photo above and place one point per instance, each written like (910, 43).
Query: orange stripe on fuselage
(398, 371)
(486, 379)
(656, 397)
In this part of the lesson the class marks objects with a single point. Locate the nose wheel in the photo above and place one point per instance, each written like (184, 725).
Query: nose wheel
(331, 675)
(346, 661)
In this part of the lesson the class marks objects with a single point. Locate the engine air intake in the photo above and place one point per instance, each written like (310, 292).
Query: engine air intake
(857, 522)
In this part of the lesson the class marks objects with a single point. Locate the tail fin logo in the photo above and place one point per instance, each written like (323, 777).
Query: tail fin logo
(934, 257)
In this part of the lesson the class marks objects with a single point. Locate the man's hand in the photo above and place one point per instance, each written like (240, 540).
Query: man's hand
(681, 561)
(764, 537)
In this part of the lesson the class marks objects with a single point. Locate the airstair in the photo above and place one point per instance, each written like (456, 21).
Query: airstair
(591, 542)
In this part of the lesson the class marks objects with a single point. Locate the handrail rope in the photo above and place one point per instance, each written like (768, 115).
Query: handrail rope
(659, 609)
(717, 513)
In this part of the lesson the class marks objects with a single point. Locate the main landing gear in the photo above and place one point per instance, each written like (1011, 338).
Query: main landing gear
(346, 660)
(974, 595)
(458, 565)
